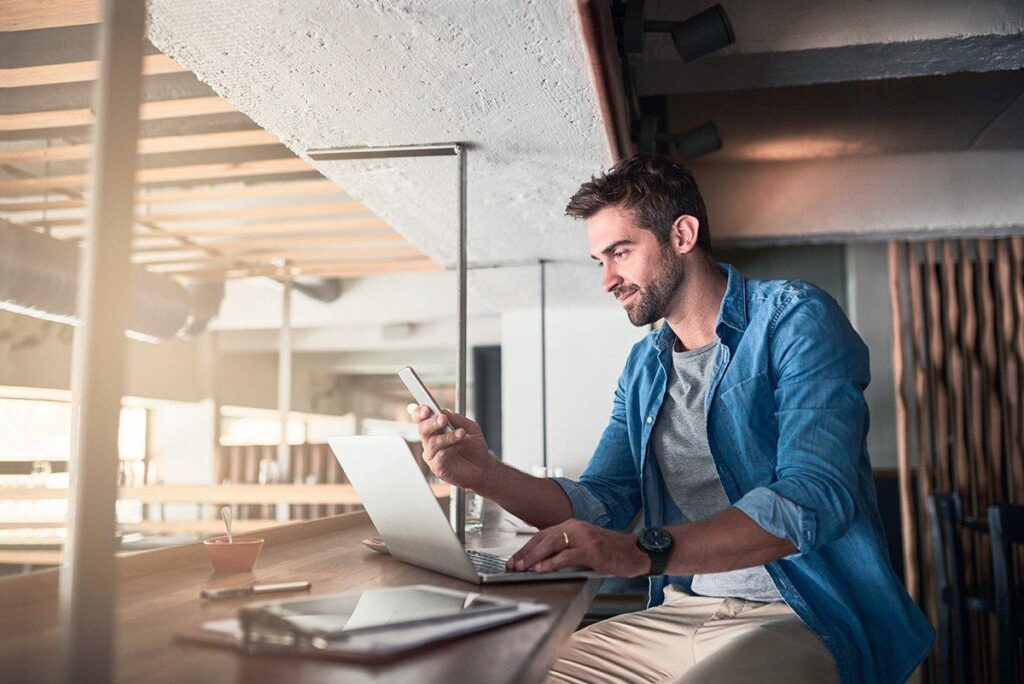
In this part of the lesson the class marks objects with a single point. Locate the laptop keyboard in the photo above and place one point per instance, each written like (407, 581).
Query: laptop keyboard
(487, 563)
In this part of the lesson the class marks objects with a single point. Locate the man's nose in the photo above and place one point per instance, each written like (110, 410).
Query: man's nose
(611, 280)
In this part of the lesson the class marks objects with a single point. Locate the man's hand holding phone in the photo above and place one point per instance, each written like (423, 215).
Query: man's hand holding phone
(459, 457)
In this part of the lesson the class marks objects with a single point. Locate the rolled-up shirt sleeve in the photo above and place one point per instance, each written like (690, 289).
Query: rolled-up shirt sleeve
(780, 516)
(820, 366)
(585, 505)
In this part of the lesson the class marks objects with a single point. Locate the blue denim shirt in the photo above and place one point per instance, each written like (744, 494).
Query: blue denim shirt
(787, 425)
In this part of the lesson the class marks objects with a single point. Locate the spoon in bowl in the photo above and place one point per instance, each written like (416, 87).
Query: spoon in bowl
(225, 512)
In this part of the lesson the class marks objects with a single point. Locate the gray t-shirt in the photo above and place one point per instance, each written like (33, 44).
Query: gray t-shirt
(680, 443)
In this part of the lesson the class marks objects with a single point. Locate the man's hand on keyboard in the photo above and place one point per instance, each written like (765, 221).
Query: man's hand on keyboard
(576, 543)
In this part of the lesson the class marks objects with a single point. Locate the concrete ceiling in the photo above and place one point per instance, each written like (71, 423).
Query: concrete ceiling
(508, 78)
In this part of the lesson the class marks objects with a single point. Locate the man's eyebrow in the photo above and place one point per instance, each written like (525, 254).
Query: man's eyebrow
(612, 247)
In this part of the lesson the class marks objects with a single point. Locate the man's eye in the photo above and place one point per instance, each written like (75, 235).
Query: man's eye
(619, 255)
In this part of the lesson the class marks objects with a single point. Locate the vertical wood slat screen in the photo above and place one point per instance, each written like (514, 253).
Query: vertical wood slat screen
(958, 358)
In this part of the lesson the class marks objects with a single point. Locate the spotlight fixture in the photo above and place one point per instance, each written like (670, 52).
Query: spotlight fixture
(696, 37)
(690, 144)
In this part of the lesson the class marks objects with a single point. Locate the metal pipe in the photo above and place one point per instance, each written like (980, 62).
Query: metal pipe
(88, 576)
(459, 504)
(385, 152)
(543, 367)
(284, 390)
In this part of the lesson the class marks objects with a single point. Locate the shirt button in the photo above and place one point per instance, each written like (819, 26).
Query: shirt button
(650, 419)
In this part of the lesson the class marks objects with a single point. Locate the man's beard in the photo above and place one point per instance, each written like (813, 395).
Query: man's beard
(653, 301)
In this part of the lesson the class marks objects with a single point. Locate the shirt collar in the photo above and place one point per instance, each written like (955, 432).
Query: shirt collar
(734, 304)
(733, 312)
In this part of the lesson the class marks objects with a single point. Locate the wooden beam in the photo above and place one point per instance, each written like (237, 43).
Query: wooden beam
(397, 265)
(164, 144)
(148, 111)
(271, 243)
(323, 253)
(298, 188)
(75, 72)
(27, 15)
(289, 228)
(221, 214)
(285, 228)
(197, 172)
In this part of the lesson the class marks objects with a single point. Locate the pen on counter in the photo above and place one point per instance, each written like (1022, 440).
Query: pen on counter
(234, 592)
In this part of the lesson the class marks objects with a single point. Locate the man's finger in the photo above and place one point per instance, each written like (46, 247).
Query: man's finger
(443, 441)
(526, 548)
(552, 543)
(563, 559)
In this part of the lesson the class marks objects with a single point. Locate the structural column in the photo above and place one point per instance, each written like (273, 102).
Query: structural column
(88, 575)
(284, 390)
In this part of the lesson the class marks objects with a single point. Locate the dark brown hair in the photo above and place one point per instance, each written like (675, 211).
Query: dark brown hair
(654, 188)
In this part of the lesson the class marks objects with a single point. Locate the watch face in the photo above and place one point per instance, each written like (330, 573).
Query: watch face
(656, 539)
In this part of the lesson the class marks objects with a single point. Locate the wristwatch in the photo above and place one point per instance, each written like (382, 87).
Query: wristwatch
(657, 543)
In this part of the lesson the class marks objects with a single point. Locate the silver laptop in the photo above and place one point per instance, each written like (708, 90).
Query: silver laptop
(405, 512)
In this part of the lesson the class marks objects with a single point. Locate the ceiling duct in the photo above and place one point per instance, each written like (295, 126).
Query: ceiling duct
(324, 290)
(39, 277)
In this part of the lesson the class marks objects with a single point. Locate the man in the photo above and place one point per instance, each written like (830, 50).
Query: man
(739, 430)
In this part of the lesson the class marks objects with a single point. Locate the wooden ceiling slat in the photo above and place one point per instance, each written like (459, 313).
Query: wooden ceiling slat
(298, 270)
(307, 187)
(220, 214)
(148, 111)
(285, 228)
(323, 253)
(288, 228)
(161, 145)
(140, 244)
(27, 15)
(298, 188)
(75, 72)
(366, 265)
(263, 167)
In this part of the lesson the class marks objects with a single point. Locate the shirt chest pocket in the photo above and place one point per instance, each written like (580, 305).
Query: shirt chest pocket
(746, 418)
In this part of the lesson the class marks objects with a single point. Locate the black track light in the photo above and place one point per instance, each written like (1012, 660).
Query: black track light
(690, 144)
(694, 38)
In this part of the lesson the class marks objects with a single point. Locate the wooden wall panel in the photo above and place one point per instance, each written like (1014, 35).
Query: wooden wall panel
(959, 339)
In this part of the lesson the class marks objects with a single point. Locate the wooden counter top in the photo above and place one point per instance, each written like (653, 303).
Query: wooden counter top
(158, 597)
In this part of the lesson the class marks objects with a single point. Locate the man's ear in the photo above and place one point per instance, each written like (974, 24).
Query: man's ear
(684, 233)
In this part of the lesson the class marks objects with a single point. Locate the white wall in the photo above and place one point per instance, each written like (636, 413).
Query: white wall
(586, 350)
(870, 312)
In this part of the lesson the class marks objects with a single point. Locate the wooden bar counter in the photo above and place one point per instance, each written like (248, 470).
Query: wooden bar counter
(158, 598)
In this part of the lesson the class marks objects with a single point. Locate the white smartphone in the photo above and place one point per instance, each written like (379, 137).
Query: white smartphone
(420, 392)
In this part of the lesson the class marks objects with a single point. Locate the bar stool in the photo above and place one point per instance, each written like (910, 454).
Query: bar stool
(954, 598)
(1006, 527)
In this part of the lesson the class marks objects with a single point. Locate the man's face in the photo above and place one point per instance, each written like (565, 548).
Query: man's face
(643, 274)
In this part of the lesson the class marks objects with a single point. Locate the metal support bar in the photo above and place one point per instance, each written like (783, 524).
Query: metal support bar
(543, 366)
(386, 152)
(284, 390)
(457, 512)
(88, 576)
(459, 500)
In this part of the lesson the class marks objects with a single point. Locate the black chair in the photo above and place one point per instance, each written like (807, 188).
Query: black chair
(955, 599)
(1006, 527)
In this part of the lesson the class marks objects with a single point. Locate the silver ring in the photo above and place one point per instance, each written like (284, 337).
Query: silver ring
(565, 535)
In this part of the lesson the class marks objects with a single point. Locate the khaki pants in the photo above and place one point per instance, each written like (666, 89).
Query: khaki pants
(696, 639)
